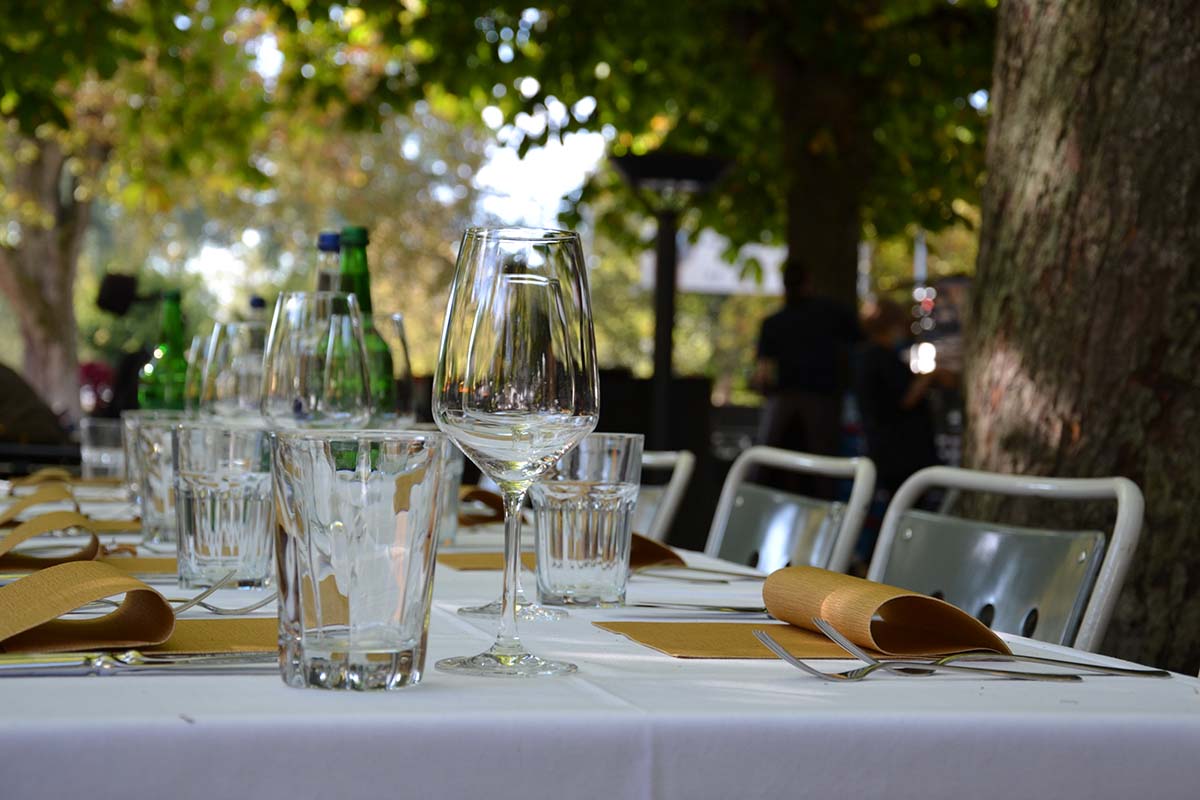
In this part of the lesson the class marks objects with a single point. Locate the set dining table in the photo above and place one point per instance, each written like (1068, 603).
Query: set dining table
(633, 722)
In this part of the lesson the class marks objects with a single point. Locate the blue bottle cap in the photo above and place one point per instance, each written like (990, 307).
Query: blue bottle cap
(329, 241)
(257, 302)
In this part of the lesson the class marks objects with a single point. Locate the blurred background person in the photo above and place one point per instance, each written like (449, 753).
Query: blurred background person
(803, 351)
(894, 401)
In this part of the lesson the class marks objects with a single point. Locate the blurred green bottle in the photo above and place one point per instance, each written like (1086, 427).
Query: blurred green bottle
(161, 383)
(356, 280)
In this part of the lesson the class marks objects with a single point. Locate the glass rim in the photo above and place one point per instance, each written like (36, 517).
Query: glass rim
(248, 424)
(236, 324)
(520, 233)
(323, 295)
(154, 413)
(626, 437)
(355, 434)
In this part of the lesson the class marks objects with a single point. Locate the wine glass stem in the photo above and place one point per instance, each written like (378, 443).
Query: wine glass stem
(507, 639)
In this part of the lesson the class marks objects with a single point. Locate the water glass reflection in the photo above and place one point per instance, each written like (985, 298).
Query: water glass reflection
(355, 548)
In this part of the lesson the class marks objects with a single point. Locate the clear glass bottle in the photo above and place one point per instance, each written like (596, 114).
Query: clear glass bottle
(328, 261)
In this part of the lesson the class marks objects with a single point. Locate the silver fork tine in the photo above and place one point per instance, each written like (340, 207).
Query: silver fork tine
(850, 647)
(778, 649)
(224, 579)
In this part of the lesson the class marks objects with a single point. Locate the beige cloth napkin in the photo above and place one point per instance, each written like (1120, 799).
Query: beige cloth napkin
(881, 618)
(493, 501)
(48, 523)
(32, 609)
(476, 562)
(61, 476)
(54, 493)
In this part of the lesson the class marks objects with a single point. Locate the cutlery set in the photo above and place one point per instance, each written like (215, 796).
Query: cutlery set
(927, 667)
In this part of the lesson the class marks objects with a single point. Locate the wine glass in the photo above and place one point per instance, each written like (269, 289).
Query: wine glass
(194, 376)
(515, 388)
(315, 370)
(396, 409)
(231, 378)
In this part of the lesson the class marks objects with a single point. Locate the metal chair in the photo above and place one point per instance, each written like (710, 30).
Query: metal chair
(769, 529)
(1056, 586)
(657, 505)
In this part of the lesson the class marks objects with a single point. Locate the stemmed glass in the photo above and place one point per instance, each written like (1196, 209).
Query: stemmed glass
(315, 371)
(231, 377)
(515, 388)
(399, 411)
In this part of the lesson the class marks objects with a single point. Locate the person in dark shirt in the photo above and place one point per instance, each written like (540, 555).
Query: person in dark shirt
(893, 400)
(802, 355)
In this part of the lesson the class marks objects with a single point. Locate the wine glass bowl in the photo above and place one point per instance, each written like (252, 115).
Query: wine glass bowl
(516, 386)
(315, 372)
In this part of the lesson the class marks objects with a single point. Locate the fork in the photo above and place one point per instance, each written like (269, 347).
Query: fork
(907, 668)
(850, 647)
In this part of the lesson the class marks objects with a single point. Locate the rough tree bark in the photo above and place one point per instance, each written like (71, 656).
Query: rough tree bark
(38, 275)
(1086, 317)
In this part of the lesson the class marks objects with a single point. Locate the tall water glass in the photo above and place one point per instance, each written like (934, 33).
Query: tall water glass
(101, 454)
(583, 510)
(155, 457)
(224, 503)
(516, 387)
(231, 378)
(400, 410)
(315, 371)
(355, 549)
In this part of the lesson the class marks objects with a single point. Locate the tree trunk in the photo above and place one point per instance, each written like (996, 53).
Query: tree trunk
(1085, 333)
(38, 275)
(824, 156)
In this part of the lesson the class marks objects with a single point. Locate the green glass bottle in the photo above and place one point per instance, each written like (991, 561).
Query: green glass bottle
(162, 382)
(356, 280)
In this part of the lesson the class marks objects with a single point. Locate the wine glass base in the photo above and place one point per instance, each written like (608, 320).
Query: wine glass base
(529, 612)
(526, 612)
(494, 664)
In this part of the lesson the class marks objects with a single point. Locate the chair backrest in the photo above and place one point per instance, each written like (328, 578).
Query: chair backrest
(769, 529)
(1057, 586)
(1017, 580)
(657, 505)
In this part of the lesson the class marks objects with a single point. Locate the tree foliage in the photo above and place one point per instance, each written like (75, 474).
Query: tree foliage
(701, 77)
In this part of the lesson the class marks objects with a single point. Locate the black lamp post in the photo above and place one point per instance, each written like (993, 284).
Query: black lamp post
(665, 182)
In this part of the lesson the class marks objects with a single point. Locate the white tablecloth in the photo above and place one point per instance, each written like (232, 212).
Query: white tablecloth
(632, 724)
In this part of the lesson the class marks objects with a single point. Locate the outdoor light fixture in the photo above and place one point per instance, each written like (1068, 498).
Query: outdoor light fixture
(665, 182)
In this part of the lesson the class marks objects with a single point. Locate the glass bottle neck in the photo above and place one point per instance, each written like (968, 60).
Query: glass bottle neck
(356, 279)
(172, 325)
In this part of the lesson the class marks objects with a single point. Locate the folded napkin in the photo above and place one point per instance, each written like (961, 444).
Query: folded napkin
(54, 521)
(60, 475)
(881, 618)
(493, 501)
(10, 558)
(32, 610)
(475, 562)
(45, 495)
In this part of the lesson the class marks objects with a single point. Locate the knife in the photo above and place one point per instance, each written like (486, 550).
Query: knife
(35, 665)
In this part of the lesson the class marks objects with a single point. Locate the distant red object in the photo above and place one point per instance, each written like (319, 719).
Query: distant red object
(96, 379)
